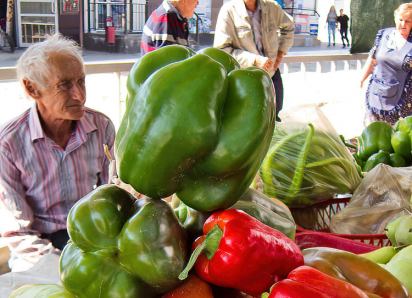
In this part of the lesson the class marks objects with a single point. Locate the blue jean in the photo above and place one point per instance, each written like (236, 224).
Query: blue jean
(331, 31)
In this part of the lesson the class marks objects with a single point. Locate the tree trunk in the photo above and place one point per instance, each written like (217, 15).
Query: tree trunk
(9, 22)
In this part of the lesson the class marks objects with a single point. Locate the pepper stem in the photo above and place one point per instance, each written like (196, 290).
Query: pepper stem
(209, 246)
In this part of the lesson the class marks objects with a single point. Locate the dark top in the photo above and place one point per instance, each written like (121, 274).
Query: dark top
(165, 26)
(343, 20)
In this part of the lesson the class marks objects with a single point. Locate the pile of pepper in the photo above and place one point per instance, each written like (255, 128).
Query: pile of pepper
(381, 143)
(201, 140)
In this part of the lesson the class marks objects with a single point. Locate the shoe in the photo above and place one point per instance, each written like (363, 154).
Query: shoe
(343, 46)
(328, 45)
(333, 44)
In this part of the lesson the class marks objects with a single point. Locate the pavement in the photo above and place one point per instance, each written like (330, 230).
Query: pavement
(10, 59)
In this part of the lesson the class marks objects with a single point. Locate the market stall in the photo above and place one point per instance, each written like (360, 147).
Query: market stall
(212, 198)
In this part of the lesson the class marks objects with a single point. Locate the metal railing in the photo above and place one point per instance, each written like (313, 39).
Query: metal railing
(120, 68)
(319, 62)
(288, 63)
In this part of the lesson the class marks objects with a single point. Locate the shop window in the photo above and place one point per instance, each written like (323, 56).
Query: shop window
(69, 6)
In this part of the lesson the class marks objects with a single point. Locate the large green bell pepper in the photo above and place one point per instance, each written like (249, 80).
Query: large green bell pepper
(375, 137)
(195, 130)
(122, 247)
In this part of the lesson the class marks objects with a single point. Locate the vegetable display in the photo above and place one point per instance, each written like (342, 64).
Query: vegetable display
(240, 252)
(122, 247)
(196, 130)
(203, 138)
(305, 165)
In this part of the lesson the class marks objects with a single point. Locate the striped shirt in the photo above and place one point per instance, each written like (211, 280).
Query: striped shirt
(165, 26)
(40, 181)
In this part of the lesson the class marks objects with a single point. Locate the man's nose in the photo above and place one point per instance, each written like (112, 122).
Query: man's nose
(403, 23)
(78, 92)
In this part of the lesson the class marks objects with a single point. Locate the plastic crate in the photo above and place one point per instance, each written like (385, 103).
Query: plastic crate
(316, 219)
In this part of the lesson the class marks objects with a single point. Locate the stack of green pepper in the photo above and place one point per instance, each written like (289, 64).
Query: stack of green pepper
(121, 247)
(380, 143)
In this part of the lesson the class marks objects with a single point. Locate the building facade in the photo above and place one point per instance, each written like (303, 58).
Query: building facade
(116, 25)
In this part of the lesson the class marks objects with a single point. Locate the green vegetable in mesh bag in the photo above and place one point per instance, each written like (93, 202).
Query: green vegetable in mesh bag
(305, 165)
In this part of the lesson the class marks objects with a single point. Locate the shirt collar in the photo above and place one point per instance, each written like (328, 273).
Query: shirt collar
(83, 127)
(257, 10)
(169, 6)
(241, 8)
(36, 131)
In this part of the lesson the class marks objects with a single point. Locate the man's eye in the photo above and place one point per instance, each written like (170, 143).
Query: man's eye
(80, 81)
(65, 86)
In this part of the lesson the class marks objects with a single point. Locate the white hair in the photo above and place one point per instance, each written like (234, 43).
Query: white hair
(35, 66)
(404, 8)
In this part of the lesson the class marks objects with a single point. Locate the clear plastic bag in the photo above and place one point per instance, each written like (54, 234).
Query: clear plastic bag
(307, 161)
(383, 195)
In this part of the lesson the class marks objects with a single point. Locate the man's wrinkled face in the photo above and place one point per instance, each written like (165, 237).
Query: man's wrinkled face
(65, 96)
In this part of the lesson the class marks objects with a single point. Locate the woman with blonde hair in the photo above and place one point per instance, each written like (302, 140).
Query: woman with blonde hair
(332, 20)
(389, 94)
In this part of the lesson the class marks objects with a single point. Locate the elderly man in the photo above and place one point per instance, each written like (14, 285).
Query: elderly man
(168, 24)
(53, 154)
(249, 30)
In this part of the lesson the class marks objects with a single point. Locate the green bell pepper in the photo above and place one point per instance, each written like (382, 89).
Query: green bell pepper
(404, 124)
(377, 158)
(42, 291)
(197, 131)
(401, 143)
(375, 137)
(122, 247)
(222, 57)
(142, 69)
(192, 220)
(397, 160)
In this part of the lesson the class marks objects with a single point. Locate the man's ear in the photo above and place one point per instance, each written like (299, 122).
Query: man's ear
(31, 89)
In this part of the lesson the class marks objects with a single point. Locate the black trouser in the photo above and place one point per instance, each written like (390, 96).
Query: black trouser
(344, 35)
(58, 239)
(278, 84)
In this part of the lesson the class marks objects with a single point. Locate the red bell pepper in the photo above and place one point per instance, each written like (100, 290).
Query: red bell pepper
(307, 282)
(240, 252)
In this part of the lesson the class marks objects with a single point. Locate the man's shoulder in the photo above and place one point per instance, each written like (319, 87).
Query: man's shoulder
(161, 12)
(100, 120)
(96, 115)
(14, 127)
(272, 3)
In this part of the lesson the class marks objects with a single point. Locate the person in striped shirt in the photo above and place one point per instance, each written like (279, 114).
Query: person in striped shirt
(168, 24)
(53, 154)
